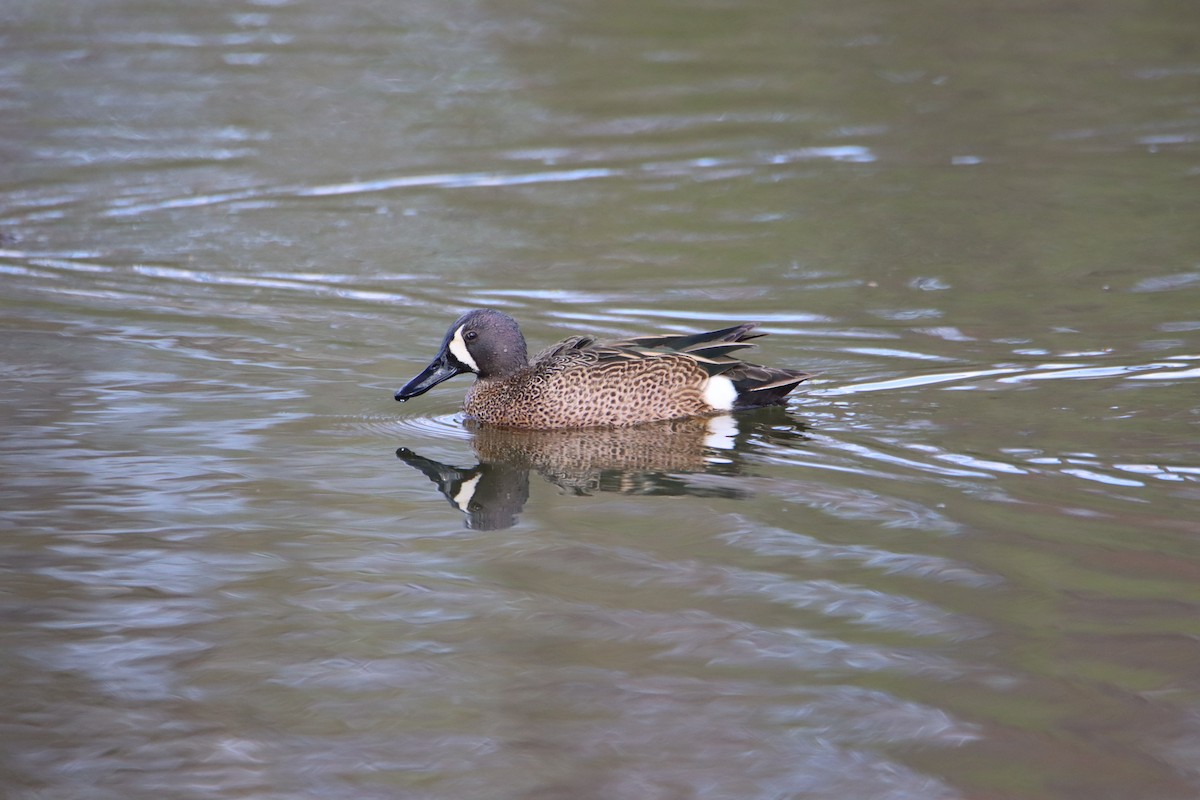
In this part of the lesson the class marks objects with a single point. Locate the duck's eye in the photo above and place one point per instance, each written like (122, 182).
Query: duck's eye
(471, 336)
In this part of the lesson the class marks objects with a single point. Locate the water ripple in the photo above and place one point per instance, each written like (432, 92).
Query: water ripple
(484, 179)
(408, 428)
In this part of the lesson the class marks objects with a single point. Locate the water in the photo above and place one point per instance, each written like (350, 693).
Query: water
(962, 563)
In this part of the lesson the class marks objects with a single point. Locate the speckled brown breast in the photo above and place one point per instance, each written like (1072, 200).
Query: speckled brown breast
(558, 392)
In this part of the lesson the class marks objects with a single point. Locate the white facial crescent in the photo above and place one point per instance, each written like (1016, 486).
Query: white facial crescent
(458, 349)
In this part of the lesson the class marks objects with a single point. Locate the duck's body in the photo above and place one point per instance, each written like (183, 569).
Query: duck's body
(580, 382)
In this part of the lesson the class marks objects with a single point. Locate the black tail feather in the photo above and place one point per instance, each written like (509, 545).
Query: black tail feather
(764, 386)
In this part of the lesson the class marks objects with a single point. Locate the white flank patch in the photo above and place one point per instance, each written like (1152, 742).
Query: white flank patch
(458, 349)
(462, 498)
(720, 393)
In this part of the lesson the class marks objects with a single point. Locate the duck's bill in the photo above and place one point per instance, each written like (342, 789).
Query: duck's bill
(442, 368)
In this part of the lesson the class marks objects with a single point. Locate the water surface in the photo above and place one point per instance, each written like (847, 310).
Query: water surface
(963, 563)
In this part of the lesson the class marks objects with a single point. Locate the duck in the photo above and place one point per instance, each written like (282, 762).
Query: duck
(581, 382)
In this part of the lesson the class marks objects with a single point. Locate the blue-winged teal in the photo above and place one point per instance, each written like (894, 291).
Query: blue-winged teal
(581, 383)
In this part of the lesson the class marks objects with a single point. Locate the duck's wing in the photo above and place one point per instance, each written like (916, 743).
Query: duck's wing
(587, 350)
(692, 342)
(709, 344)
(711, 351)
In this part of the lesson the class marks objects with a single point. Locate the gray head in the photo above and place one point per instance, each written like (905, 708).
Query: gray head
(484, 341)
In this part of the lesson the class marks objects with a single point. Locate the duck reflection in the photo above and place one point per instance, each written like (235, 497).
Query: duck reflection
(651, 459)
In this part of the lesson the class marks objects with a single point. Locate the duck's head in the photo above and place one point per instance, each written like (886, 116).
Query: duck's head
(484, 341)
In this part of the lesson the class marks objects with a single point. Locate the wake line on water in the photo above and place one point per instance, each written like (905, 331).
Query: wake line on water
(460, 180)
